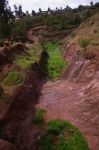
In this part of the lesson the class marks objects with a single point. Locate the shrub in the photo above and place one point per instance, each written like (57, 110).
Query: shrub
(55, 139)
(39, 116)
(84, 42)
(13, 77)
(56, 126)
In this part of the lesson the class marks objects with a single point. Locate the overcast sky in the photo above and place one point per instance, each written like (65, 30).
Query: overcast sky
(44, 4)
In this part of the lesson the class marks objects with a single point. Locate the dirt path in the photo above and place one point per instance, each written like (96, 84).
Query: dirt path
(77, 103)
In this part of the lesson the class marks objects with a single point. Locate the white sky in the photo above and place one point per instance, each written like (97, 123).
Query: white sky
(44, 4)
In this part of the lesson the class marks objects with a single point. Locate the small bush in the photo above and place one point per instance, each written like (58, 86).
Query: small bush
(13, 77)
(1, 91)
(56, 126)
(61, 135)
(84, 42)
(39, 116)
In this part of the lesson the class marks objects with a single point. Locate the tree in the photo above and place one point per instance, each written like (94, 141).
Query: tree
(33, 13)
(18, 11)
(6, 18)
(67, 8)
(3, 7)
(91, 3)
(27, 13)
(40, 10)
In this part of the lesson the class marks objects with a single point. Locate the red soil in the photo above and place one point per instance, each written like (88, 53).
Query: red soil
(76, 96)
(77, 103)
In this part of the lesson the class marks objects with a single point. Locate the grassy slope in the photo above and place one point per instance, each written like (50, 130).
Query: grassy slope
(15, 76)
(87, 32)
(32, 56)
(55, 60)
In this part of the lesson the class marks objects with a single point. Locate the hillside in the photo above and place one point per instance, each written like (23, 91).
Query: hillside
(83, 44)
(75, 96)
(49, 81)
(86, 36)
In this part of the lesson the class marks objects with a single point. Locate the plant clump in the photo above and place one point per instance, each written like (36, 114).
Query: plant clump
(13, 77)
(39, 116)
(61, 135)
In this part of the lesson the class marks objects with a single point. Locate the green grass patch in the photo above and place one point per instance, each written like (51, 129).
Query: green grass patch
(84, 42)
(39, 116)
(61, 135)
(56, 126)
(27, 59)
(55, 60)
(13, 77)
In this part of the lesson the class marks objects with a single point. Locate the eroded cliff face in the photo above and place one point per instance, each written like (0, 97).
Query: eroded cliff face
(79, 69)
(82, 52)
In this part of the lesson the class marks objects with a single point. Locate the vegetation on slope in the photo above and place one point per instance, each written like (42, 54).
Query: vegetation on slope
(13, 77)
(55, 61)
(39, 116)
(31, 56)
(16, 73)
(59, 135)
(86, 37)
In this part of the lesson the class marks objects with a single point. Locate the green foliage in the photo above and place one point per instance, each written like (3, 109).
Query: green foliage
(39, 116)
(56, 126)
(55, 60)
(19, 29)
(84, 42)
(13, 77)
(6, 19)
(87, 14)
(27, 59)
(61, 135)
